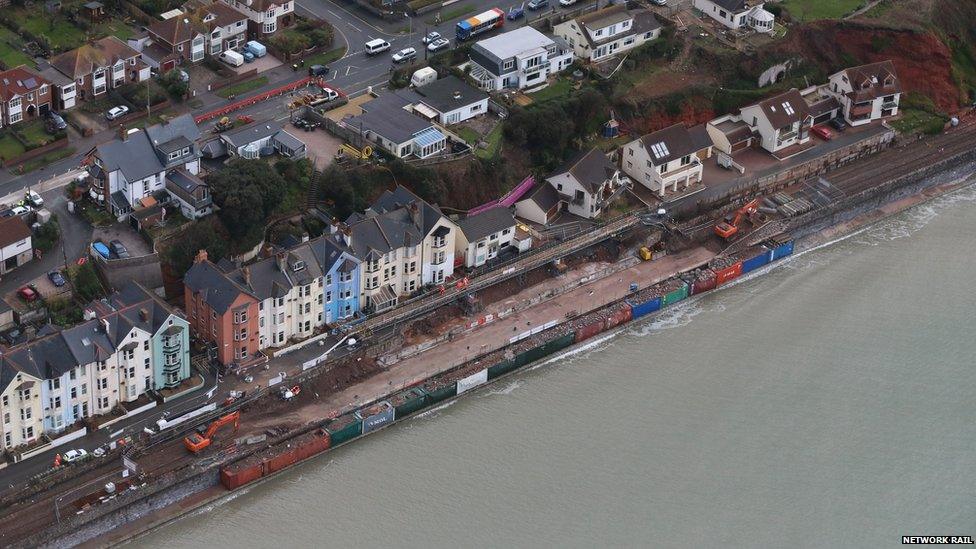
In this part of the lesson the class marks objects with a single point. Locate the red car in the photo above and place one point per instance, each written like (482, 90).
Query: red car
(28, 294)
(822, 132)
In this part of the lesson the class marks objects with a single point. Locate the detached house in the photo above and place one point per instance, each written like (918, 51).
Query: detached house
(483, 236)
(668, 159)
(265, 16)
(612, 30)
(780, 121)
(99, 66)
(588, 183)
(738, 14)
(866, 93)
(389, 122)
(16, 247)
(522, 58)
(450, 100)
(24, 95)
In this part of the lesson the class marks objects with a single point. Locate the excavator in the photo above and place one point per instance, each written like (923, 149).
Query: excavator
(197, 441)
(729, 227)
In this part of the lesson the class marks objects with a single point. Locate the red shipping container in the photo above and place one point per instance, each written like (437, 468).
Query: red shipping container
(728, 274)
(284, 459)
(234, 477)
(317, 443)
(588, 331)
(622, 316)
(703, 284)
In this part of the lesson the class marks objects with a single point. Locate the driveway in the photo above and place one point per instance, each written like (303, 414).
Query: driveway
(322, 146)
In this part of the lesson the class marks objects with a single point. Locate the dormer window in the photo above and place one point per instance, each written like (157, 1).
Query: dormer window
(889, 80)
(297, 266)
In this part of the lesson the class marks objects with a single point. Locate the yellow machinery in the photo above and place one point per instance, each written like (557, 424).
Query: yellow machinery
(645, 253)
(353, 152)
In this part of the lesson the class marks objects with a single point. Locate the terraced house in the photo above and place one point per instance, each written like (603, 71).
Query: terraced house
(24, 95)
(132, 343)
(101, 65)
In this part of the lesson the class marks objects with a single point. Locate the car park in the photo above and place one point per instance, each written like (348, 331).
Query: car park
(438, 45)
(431, 37)
(28, 293)
(72, 456)
(406, 54)
(56, 278)
(119, 249)
(117, 112)
(838, 123)
(823, 132)
(537, 4)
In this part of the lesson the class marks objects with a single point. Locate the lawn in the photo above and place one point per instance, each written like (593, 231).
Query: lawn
(10, 54)
(242, 87)
(47, 159)
(115, 28)
(469, 136)
(918, 121)
(325, 57)
(34, 134)
(494, 141)
(560, 88)
(811, 10)
(60, 33)
(10, 147)
(452, 14)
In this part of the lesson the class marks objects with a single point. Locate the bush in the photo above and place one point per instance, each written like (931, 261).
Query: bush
(174, 85)
(47, 235)
(247, 191)
(291, 42)
(87, 285)
(208, 235)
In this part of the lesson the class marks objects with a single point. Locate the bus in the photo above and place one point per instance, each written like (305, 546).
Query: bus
(491, 19)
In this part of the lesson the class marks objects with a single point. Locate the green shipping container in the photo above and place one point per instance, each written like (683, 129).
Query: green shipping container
(544, 350)
(501, 368)
(442, 393)
(344, 429)
(412, 400)
(676, 296)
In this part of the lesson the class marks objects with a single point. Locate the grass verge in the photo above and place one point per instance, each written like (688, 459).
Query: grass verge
(242, 87)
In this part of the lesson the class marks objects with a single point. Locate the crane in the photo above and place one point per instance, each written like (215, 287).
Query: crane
(728, 228)
(197, 442)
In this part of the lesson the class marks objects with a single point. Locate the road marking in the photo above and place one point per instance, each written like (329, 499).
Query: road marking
(367, 23)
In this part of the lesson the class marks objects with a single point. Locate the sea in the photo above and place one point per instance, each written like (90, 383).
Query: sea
(827, 401)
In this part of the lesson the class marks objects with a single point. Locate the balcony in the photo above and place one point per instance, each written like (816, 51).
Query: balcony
(892, 104)
(172, 344)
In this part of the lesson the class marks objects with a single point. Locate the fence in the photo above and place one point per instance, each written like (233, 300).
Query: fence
(280, 90)
(224, 82)
(34, 153)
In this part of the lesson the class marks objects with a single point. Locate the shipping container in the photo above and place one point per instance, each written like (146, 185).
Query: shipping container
(755, 258)
(235, 475)
(675, 295)
(550, 347)
(728, 274)
(438, 391)
(312, 443)
(502, 368)
(645, 308)
(472, 381)
(344, 428)
(589, 330)
(286, 456)
(622, 314)
(408, 402)
(703, 280)
(782, 250)
(375, 416)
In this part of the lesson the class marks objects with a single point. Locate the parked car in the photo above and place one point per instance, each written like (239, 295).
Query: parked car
(6, 213)
(516, 12)
(838, 123)
(34, 199)
(102, 249)
(248, 56)
(431, 36)
(28, 293)
(318, 70)
(660, 2)
(565, 3)
(438, 45)
(56, 278)
(117, 112)
(405, 54)
(823, 132)
(20, 209)
(72, 456)
(537, 4)
(119, 249)
(56, 121)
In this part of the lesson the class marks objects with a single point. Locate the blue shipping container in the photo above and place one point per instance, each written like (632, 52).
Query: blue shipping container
(782, 250)
(754, 263)
(645, 308)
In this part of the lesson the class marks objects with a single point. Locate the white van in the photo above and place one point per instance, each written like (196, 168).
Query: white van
(376, 46)
(232, 58)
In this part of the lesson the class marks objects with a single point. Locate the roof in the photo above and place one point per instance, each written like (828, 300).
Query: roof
(509, 44)
(386, 116)
(397, 219)
(450, 93)
(785, 109)
(873, 80)
(176, 30)
(134, 157)
(644, 21)
(54, 77)
(590, 168)
(182, 126)
(13, 229)
(219, 293)
(184, 180)
(19, 81)
(605, 17)
(822, 106)
(675, 142)
(251, 133)
(83, 60)
(215, 148)
(486, 223)
(288, 140)
(222, 14)
(735, 6)
(545, 196)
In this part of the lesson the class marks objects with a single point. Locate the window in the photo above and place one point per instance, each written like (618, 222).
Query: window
(74, 392)
(7, 439)
(25, 414)
(506, 231)
(6, 401)
(103, 402)
(28, 432)
(6, 418)
(269, 27)
(56, 402)
(508, 65)
(685, 160)
(132, 372)
(16, 117)
(103, 383)
(55, 384)
(84, 388)
(145, 345)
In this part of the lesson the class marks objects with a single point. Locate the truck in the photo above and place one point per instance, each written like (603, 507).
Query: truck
(423, 76)
(256, 48)
(232, 58)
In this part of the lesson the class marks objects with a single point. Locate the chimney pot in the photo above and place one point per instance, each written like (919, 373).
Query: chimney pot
(201, 256)
(144, 315)
(246, 271)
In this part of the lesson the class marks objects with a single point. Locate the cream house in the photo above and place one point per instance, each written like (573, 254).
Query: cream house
(866, 93)
(588, 183)
(667, 160)
(607, 32)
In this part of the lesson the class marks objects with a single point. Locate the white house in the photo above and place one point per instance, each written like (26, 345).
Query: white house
(542, 205)
(610, 31)
(522, 58)
(16, 247)
(390, 122)
(738, 14)
(266, 16)
(249, 141)
(588, 183)
(450, 100)
(483, 236)
(226, 27)
(780, 121)
(866, 93)
(668, 159)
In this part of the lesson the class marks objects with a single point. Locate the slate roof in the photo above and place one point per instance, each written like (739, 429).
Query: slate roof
(397, 219)
(176, 30)
(218, 290)
(544, 196)
(251, 133)
(185, 181)
(386, 116)
(134, 157)
(644, 21)
(440, 94)
(289, 141)
(868, 81)
(590, 168)
(486, 223)
(19, 81)
(677, 140)
(13, 229)
(735, 6)
(83, 60)
(182, 126)
(784, 109)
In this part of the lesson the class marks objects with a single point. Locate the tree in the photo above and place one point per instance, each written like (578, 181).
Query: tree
(86, 283)
(247, 191)
(206, 235)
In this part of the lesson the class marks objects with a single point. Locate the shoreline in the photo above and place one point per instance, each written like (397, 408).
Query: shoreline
(814, 239)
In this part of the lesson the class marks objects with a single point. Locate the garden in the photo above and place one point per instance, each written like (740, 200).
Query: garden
(52, 29)
(22, 137)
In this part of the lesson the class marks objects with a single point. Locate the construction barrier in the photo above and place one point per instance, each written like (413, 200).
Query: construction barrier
(244, 103)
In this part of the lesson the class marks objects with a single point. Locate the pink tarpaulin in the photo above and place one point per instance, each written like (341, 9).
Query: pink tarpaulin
(509, 199)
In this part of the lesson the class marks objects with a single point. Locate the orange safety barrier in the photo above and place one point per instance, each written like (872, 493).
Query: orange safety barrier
(244, 103)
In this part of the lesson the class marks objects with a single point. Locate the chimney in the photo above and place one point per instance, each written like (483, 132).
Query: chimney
(144, 315)
(305, 237)
(123, 134)
(457, 95)
(280, 260)
(200, 257)
(104, 325)
(89, 314)
(246, 272)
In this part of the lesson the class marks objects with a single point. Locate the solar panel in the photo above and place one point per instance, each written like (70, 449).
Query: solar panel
(30, 83)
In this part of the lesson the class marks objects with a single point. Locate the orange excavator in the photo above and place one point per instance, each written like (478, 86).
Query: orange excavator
(197, 442)
(728, 227)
